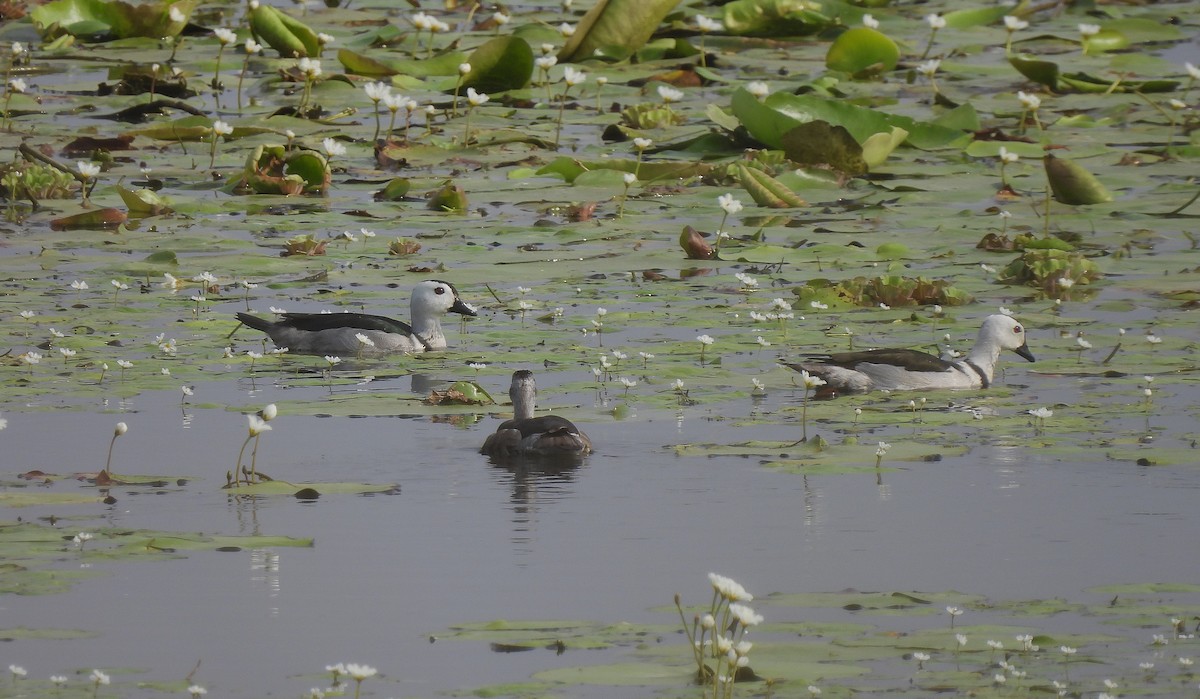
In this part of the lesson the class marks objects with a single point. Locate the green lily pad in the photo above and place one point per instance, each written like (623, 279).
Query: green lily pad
(862, 50)
(614, 29)
(500, 64)
(92, 18)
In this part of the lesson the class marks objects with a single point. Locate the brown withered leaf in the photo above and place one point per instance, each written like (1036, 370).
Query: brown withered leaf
(694, 245)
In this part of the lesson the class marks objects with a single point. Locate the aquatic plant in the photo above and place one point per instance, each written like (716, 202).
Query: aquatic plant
(718, 636)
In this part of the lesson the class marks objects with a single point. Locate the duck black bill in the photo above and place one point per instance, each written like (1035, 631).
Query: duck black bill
(461, 307)
(1023, 351)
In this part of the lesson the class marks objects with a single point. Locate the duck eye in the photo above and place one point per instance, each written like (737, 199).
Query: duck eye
(439, 290)
(1017, 330)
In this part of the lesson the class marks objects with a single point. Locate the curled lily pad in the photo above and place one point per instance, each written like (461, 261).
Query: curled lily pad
(394, 190)
(821, 143)
(1072, 184)
(450, 197)
(110, 18)
(97, 219)
(276, 170)
(614, 29)
(143, 202)
(862, 51)
(766, 190)
(503, 63)
(287, 35)
(786, 17)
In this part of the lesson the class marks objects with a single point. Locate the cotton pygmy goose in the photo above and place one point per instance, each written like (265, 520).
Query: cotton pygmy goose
(548, 435)
(338, 333)
(907, 370)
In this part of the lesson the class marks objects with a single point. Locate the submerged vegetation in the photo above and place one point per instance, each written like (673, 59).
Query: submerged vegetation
(713, 188)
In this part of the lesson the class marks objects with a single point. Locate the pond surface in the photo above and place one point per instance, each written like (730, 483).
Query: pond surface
(612, 540)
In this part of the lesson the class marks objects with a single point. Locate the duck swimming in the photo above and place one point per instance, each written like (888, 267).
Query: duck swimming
(336, 333)
(549, 435)
(909, 370)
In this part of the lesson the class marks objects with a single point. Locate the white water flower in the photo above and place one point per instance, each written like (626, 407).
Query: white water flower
(929, 68)
(257, 425)
(333, 148)
(573, 76)
(500, 18)
(1008, 156)
(745, 615)
(669, 94)
(935, 21)
(811, 381)
(97, 676)
(729, 204)
(1013, 23)
(1041, 413)
(707, 24)
(476, 98)
(567, 30)
(360, 672)
(758, 88)
(705, 340)
(870, 22)
(225, 36)
(17, 85)
(1029, 100)
(1089, 30)
(364, 340)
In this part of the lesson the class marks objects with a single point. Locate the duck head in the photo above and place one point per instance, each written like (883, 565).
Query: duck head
(1006, 333)
(433, 297)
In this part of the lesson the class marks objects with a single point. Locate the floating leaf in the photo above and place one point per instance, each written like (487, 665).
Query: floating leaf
(614, 29)
(862, 51)
(460, 393)
(91, 18)
(97, 219)
(502, 63)
(822, 143)
(277, 170)
(1044, 268)
(1072, 184)
(450, 197)
(694, 245)
(786, 17)
(287, 35)
(394, 190)
(143, 202)
(766, 190)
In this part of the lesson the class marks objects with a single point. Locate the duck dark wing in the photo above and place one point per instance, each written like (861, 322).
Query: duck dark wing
(315, 322)
(547, 424)
(912, 360)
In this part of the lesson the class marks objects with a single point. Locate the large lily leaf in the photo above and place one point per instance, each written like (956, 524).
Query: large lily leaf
(615, 29)
(120, 20)
(862, 50)
(504, 63)
(769, 120)
(1047, 73)
(786, 17)
(362, 64)
(822, 143)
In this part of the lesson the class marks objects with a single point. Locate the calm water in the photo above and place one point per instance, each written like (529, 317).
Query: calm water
(467, 541)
